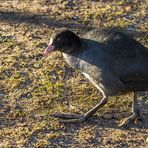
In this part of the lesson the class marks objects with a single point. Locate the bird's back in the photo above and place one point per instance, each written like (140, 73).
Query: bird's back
(118, 44)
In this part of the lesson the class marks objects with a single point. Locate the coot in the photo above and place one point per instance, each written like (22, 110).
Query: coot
(112, 60)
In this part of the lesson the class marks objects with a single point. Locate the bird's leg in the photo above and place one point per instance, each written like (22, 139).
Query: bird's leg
(135, 112)
(80, 118)
(95, 108)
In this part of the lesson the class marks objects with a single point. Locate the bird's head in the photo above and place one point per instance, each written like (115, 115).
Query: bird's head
(65, 41)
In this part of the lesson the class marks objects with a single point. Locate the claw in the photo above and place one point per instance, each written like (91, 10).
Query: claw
(80, 120)
(66, 116)
(133, 118)
(138, 121)
(69, 118)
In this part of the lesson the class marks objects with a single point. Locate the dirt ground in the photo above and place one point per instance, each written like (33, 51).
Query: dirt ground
(32, 86)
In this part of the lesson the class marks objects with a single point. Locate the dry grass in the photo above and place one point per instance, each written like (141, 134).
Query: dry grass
(32, 87)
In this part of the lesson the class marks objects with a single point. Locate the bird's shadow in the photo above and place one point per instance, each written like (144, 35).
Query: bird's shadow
(39, 19)
(13, 17)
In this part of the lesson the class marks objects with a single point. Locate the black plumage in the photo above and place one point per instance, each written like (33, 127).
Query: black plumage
(112, 60)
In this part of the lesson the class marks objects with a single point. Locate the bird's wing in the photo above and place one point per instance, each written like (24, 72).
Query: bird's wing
(118, 44)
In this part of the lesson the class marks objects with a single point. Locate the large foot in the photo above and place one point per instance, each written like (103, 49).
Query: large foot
(69, 118)
(65, 116)
(134, 118)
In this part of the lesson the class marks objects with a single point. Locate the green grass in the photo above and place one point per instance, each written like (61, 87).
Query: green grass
(32, 87)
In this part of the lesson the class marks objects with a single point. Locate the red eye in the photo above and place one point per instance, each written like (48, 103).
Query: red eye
(58, 39)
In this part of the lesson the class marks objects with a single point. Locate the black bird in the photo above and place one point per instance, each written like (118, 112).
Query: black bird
(112, 60)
